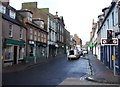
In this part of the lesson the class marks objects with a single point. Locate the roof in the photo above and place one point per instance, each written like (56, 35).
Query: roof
(6, 17)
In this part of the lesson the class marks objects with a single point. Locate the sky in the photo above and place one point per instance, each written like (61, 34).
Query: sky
(78, 14)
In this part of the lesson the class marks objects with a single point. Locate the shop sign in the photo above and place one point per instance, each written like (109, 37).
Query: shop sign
(14, 42)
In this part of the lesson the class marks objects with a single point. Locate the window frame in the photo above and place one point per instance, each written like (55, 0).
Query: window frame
(31, 33)
(39, 35)
(35, 35)
(21, 33)
(10, 30)
(12, 14)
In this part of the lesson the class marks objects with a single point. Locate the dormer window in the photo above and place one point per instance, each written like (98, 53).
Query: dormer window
(2, 9)
(42, 25)
(30, 17)
(12, 14)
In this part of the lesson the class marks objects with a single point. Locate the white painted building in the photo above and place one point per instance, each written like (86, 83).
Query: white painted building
(52, 36)
(111, 21)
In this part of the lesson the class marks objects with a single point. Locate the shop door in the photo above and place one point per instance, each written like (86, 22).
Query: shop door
(15, 54)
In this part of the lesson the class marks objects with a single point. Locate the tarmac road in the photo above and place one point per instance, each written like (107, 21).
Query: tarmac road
(49, 73)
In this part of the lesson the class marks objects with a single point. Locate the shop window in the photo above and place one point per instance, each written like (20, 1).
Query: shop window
(8, 52)
(21, 52)
(31, 51)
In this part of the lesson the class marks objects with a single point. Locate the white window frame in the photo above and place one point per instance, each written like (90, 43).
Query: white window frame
(3, 9)
(39, 36)
(22, 50)
(42, 24)
(31, 33)
(21, 33)
(30, 17)
(44, 38)
(12, 14)
(10, 30)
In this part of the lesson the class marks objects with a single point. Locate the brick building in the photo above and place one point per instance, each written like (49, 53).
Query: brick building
(13, 35)
(36, 36)
(78, 42)
(66, 40)
(54, 26)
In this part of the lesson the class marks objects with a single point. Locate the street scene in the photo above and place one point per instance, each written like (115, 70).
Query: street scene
(57, 45)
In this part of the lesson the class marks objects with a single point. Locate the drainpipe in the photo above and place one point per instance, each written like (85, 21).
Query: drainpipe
(1, 50)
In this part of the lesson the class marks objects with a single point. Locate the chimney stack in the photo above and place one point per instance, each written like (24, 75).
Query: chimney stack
(5, 2)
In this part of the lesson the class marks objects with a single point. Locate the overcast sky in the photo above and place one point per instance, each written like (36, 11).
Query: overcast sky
(77, 14)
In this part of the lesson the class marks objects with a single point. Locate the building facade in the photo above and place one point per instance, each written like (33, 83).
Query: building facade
(36, 36)
(60, 34)
(78, 42)
(66, 40)
(109, 20)
(13, 35)
(38, 13)
(72, 42)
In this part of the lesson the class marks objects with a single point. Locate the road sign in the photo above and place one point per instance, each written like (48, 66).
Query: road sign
(91, 45)
(104, 41)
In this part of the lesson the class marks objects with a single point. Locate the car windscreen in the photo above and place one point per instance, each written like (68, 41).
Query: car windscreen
(71, 52)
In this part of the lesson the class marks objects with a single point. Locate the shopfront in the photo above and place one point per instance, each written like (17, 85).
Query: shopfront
(41, 50)
(13, 52)
(37, 49)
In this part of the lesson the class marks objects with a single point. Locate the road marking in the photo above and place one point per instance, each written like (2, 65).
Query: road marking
(84, 76)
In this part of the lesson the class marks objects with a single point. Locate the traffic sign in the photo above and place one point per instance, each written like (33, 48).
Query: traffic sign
(91, 45)
(104, 41)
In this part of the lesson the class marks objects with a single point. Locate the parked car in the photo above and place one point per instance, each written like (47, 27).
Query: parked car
(85, 52)
(73, 54)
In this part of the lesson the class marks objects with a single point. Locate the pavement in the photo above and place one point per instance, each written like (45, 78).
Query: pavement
(101, 73)
(101, 76)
